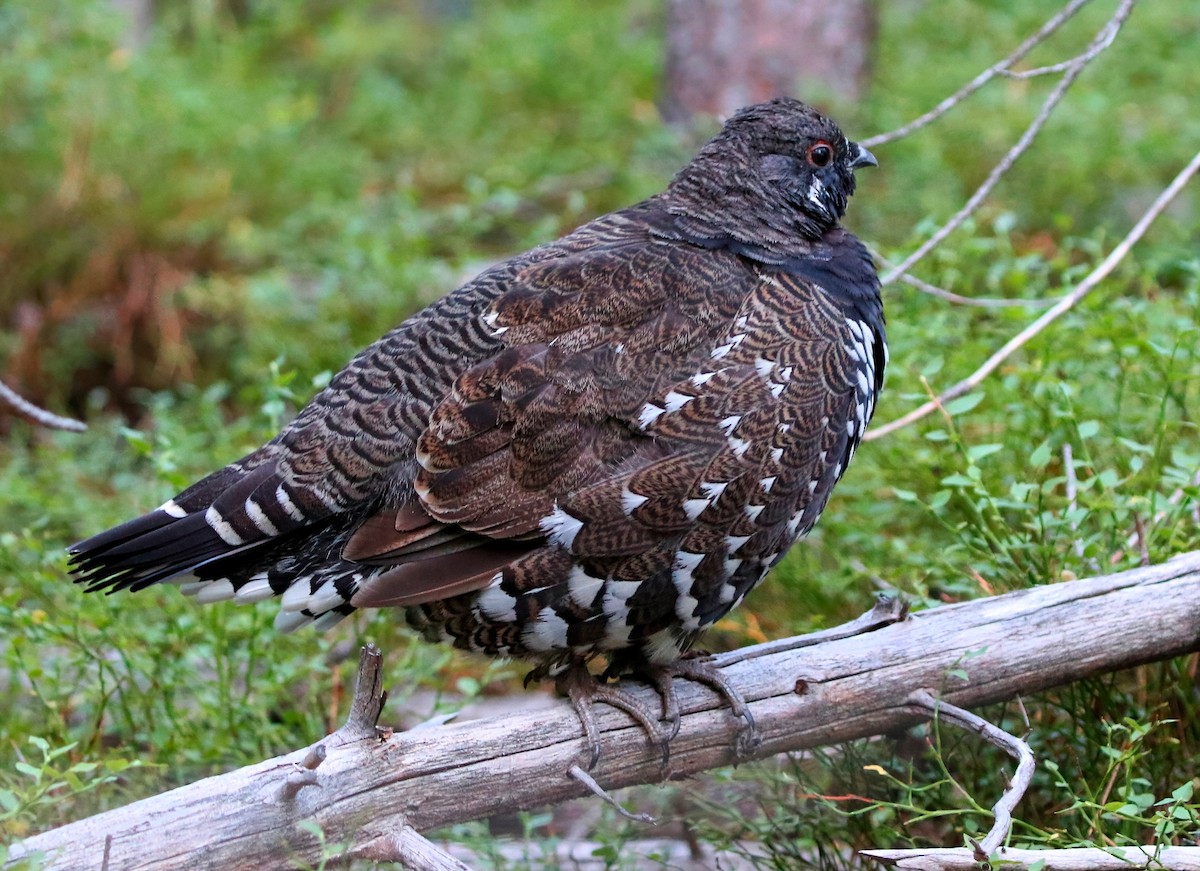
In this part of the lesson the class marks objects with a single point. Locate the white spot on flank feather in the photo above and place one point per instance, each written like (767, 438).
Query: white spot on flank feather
(631, 502)
(495, 604)
(675, 401)
(582, 587)
(650, 413)
(548, 632)
(561, 527)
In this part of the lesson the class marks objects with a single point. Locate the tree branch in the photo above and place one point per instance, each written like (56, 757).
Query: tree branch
(958, 298)
(1066, 303)
(1001, 66)
(1102, 40)
(37, 414)
(801, 695)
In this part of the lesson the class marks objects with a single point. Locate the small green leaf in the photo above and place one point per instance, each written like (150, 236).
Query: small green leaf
(54, 754)
(8, 801)
(1040, 456)
(977, 452)
(932, 367)
(28, 770)
(964, 403)
(1142, 800)
(1089, 428)
(1136, 447)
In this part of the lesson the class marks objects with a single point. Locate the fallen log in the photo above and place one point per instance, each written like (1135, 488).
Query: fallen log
(1076, 859)
(367, 789)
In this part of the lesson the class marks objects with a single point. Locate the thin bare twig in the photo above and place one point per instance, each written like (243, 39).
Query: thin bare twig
(296, 781)
(369, 697)
(956, 298)
(980, 80)
(1024, 716)
(1066, 303)
(888, 609)
(314, 757)
(37, 414)
(1072, 486)
(409, 848)
(1139, 525)
(1102, 39)
(1092, 50)
(601, 793)
(977, 301)
(1010, 744)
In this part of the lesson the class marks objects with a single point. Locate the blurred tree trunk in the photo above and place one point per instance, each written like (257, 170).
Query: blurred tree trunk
(725, 54)
(140, 14)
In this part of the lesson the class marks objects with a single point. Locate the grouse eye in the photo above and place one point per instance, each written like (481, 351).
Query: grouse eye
(820, 154)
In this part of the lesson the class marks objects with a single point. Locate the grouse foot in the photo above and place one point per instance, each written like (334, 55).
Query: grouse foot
(700, 668)
(584, 690)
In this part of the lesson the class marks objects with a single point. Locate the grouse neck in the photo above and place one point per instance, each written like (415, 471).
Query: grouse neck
(762, 225)
(772, 237)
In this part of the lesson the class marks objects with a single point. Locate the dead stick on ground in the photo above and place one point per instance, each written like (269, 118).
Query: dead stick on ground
(409, 848)
(1078, 859)
(1010, 744)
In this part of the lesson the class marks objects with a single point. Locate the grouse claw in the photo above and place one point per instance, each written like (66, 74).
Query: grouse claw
(584, 690)
(704, 670)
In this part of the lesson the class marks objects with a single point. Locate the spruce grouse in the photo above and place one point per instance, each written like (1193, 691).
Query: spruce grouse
(594, 449)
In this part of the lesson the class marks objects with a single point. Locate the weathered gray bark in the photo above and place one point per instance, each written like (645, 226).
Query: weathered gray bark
(725, 54)
(1108, 859)
(369, 789)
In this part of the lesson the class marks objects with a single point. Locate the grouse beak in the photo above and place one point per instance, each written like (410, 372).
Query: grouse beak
(862, 157)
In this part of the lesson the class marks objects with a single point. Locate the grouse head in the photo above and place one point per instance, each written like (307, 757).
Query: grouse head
(774, 181)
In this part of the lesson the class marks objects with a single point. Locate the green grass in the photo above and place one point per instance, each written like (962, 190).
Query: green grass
(313, 172)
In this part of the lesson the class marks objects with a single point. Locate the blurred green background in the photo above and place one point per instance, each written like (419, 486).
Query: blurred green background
(197, 229)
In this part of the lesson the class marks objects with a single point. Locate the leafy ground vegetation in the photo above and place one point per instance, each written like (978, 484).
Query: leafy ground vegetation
(194, 231)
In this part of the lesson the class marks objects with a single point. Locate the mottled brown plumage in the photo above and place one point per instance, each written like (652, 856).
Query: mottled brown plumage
(595, 448)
